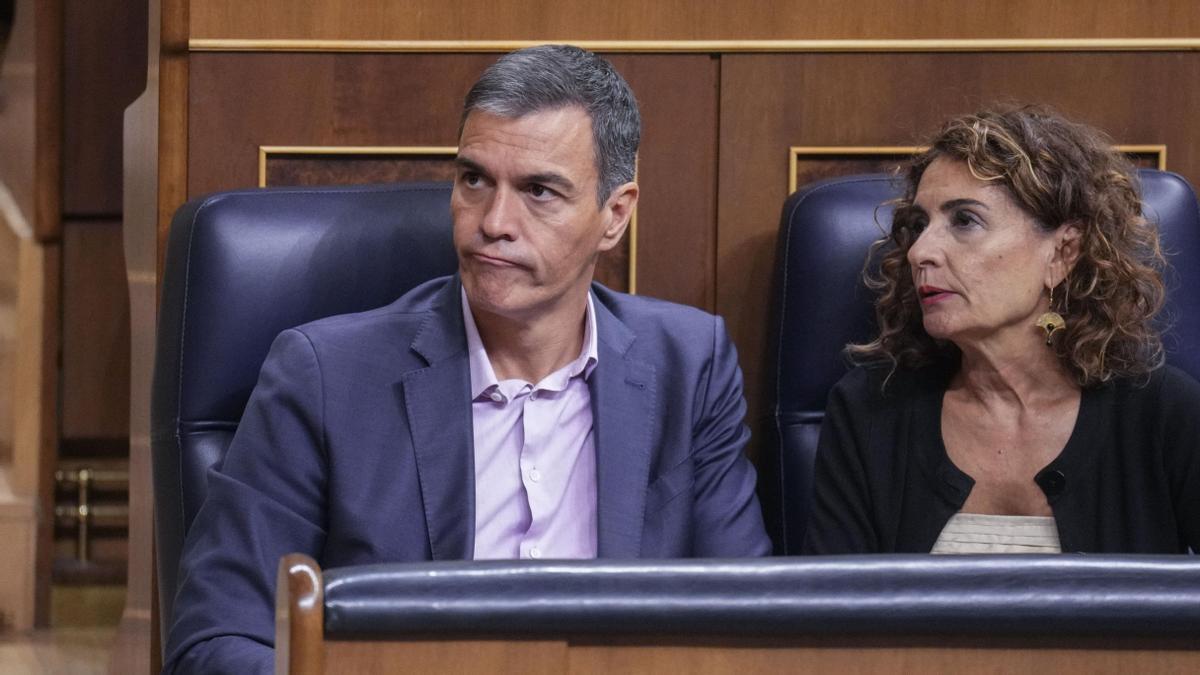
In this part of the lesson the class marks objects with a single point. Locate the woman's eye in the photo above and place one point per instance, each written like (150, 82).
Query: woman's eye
(918, 224)
(963, 219)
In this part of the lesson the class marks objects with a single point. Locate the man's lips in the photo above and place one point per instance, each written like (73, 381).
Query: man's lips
(494, 260)
(933, 294)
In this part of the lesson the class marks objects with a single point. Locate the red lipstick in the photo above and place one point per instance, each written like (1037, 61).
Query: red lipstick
(932, 294)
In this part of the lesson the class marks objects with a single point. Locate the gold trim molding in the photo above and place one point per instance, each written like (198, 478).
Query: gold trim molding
(795, 152)
(706, 46)
(266, 151)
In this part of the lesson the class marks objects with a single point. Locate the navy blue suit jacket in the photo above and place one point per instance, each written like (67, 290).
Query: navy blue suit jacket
(356, 447)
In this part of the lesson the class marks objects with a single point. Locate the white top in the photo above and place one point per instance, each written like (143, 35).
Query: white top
(982, 533)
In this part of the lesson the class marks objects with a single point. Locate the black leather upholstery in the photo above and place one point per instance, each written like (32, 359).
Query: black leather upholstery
(1044, 596)
(820, 305)
(241, 267)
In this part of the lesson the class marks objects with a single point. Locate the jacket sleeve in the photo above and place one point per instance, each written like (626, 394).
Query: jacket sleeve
(728, 518)
(266, 499)
(840, 519)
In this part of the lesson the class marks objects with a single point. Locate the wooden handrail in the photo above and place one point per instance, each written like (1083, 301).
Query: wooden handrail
(299, 617)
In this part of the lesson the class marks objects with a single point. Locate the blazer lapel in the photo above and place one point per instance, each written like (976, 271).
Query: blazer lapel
(438, 407)
(623, 394)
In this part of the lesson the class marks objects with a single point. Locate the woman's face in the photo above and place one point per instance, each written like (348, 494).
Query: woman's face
(981, 264)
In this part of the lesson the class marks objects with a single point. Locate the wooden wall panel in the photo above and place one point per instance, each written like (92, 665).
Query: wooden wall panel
(686, 20)
(107, 47)
(772, 102)
(95, 343)
(239, 102)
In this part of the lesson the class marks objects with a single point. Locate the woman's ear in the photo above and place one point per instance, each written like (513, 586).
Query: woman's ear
(1067, 246)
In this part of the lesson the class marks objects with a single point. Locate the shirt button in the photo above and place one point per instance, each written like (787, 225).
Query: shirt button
(533, 395)
(1052, 482)
(497, 397)
(535, 553)
(535, 475)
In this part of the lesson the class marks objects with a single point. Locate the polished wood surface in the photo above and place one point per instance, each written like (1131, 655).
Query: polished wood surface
(721, 656)
(48, 123)
(101, 77)
(153, 174)
(35, 429)
(497, 657)
(300, 617)
(95, 341)
(684, 20)
(865, 658)
(770, 103)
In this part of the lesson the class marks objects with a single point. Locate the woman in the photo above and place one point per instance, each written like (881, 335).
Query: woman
(1016, 397)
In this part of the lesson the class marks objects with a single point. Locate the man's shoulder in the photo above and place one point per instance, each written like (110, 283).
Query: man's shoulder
(393, 326)
(642, 312)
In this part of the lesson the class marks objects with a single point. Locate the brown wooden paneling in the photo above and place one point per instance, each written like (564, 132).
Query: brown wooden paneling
(750, 660)
(95, 358)
(239, 102)
(317, 169)
(772, 102)
(686, 20)
(677, 174)
(106, 42)
(155, 177)
(813, 165)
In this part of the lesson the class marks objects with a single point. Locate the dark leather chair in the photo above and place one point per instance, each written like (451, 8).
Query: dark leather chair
(820, 305)
(242, 266)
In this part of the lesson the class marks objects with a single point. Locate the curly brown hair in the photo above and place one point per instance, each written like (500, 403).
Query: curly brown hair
(1060, 172)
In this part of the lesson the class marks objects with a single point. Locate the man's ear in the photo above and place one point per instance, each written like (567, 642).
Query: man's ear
(618, 210)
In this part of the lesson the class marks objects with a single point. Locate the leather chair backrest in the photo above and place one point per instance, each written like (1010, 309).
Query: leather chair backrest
(242, 266)
(821, 304)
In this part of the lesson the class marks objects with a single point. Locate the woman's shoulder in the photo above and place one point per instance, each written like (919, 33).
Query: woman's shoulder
(1167, 396)
(1164, 385)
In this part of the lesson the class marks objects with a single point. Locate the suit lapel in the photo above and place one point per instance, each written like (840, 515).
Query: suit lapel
(438, 408)
(623, 394)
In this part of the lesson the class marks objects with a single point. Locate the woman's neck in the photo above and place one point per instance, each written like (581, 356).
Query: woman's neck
(1026, 377)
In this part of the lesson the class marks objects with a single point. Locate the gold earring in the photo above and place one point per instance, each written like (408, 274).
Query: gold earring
(1051, 321)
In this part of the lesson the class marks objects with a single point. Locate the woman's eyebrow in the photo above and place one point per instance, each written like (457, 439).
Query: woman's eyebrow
(955, 203)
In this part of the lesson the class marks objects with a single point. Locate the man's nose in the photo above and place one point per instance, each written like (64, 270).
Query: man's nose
(502, 218)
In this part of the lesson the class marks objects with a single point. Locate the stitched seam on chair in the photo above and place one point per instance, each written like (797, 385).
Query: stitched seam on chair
(783, 520)
(187, 279)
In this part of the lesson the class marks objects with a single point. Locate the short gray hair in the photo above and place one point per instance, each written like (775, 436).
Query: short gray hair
(555, 76)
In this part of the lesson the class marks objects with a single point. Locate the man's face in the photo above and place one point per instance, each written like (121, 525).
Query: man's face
(527, 227)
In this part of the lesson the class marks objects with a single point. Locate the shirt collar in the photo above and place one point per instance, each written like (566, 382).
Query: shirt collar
(483, 376)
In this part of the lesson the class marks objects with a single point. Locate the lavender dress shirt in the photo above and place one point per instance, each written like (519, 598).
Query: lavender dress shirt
(535, 455)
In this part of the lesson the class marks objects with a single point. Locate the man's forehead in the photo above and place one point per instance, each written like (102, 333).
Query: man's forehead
(556, 135)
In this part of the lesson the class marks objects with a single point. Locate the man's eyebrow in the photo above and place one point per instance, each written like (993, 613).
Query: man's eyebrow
(467, 164)
(550, 178)
(955, 203)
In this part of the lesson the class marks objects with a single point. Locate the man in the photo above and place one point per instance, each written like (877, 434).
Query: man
(514, 410)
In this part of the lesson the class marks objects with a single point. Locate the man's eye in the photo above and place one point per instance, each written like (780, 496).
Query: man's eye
(470, 178)
(540, 191)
